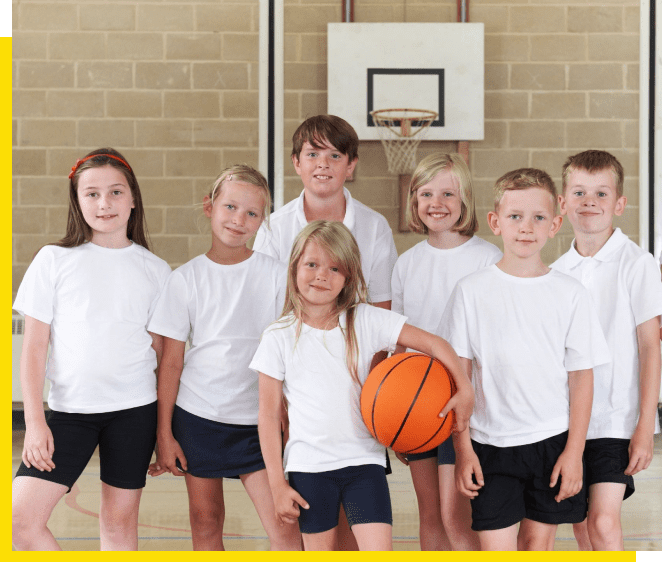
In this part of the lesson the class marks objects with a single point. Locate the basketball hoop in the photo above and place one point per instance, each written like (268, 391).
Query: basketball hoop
(401, 131)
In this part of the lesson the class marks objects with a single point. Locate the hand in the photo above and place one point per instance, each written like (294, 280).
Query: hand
(402, 458)
(168, 452)
(38, 447)
(287, 501)
(569, 468)
(462, 402)
(467, 466)
(640, 450)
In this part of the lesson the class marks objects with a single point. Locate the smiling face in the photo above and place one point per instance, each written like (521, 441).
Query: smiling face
(236, 213)
(106, 201)
(439, 202)
(525, 220)
(591, 201)
(319, 280)
(323, 170)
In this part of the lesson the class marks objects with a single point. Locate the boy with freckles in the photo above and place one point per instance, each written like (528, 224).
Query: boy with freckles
(624, 284)
(529, 339)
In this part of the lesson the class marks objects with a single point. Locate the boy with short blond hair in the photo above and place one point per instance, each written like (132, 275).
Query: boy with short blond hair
(324, 154)
(624, 284)
(531, 338)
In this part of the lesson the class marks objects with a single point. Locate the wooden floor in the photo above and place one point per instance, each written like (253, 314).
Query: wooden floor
(164, 512)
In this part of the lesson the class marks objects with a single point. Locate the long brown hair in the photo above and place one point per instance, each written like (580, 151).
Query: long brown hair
(78, 231)
(335, 239)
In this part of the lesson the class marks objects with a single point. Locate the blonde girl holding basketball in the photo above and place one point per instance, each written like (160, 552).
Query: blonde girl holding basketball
(318, 354)
(440, 205)
(220, 302)
(90, 296)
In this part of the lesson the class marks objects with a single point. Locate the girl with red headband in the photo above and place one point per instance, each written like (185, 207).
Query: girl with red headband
(90, 295)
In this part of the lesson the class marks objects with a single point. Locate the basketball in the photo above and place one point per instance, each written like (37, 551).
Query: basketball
(401, 400)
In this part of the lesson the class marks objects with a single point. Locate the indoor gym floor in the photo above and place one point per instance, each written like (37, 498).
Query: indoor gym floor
(164, 521)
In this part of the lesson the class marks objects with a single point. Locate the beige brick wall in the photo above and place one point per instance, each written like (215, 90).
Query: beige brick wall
(173, 85)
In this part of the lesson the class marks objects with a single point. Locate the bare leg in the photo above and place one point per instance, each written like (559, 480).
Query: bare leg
(374, 536)
(534, 535)
(33, 501)
(206, 512)
(581, 535)
(320, 541)
(281, 537)
(499, 539)
(604, 515)
(118, 518)
(456, 512)
(426, 485)
(346, 539)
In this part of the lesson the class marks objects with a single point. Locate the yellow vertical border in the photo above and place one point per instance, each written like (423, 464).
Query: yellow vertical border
(5, 222)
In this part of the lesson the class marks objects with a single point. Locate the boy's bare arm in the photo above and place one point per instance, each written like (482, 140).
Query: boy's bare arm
(641, 444)
(569, 464)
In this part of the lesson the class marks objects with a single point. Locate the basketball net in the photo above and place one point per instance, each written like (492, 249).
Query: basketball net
(401, 131)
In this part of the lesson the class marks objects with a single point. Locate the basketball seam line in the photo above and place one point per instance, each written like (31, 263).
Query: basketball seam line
(374, 401)
(411, 406)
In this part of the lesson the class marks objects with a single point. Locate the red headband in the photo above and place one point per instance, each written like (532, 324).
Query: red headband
(79, 162)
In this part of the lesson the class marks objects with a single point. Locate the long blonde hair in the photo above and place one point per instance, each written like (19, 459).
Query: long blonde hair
(335, 239)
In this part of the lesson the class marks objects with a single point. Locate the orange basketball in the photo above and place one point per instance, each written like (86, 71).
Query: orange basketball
(401, 400)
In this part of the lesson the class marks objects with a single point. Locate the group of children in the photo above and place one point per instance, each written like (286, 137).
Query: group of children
(282, 336)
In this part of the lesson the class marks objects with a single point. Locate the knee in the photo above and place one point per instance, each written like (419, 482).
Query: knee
(118, 522)
(22, 526)
(206, 520)
(604, 529)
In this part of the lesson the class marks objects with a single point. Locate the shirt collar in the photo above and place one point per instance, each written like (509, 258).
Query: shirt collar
(613, 244)
(350, 210)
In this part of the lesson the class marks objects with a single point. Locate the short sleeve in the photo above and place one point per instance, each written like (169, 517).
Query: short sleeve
(36, 294)
(269, 358)
(385, 256)
(454, 324)
(162, 272)
(645, 290)
(585, 342)
(171, 315)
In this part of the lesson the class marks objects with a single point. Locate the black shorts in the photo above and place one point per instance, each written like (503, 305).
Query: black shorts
(606, 460)
(126, 440)
(444, 453)
(517, 486)
(362, 490)
(214, 449)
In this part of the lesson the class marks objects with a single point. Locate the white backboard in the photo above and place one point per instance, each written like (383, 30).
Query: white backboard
(433, 66)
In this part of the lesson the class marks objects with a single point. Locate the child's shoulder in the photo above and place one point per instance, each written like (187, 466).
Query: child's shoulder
(286, 214)
(365, 214)
(151, 256)
(483, 246)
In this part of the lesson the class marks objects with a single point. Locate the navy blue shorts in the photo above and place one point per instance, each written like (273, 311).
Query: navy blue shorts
(606, 460)
(214, 449)
(126, 440)
(362, 490)
(444, 453)
(517, 486)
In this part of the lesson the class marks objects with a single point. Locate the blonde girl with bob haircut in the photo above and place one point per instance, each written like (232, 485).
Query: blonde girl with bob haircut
(441, 205)
(318, 355)
(220, 302)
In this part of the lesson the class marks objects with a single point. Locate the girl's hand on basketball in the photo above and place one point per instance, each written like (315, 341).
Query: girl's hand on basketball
(38, 447)
(640, 450)
(468, 474)
(462, 402)
(169, 452)
(402, 458)
(287, 501)
(569, 468)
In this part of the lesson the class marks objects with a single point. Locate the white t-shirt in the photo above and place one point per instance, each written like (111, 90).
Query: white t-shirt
(222, 310)
(371, 230)
(523, 335)
(624, 283)
(326, 428)
(98, 302)
(424, 278)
